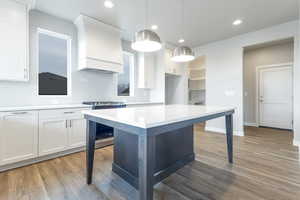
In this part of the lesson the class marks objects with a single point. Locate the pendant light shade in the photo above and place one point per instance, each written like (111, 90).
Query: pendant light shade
(146, 41)
(183, 54)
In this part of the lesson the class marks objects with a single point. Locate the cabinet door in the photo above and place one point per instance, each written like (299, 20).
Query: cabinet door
(77, 132)
(53, 136)
(18, 136)
(146, 64)
(168, 62)
(13, 40)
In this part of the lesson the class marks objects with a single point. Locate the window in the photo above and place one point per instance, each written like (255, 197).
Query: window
(126, 79)
(54, 59)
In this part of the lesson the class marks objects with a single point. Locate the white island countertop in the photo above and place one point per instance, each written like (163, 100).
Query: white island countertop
(152, 116)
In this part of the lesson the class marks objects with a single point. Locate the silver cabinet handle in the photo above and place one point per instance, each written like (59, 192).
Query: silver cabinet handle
(25, 73)
(19, 113)
(69, 112)
(66, 123)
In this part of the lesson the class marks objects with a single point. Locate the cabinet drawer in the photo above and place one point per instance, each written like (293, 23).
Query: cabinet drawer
(61, 113)
(4, 115)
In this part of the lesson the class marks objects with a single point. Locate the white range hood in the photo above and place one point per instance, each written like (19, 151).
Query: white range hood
(99, 45)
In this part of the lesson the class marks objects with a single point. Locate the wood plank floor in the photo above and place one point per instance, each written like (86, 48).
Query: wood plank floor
(266, 166)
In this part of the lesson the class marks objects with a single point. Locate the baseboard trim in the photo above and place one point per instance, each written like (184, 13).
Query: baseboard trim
(250, 124)
(296, 143)
(99, 144)
(39, 159)
(221, 130)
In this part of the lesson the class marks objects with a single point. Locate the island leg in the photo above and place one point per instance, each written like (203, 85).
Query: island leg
(90, 149)
(229, 134)
(146, 156)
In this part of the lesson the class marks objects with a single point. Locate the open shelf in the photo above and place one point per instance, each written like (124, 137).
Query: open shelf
(197, 78)
(196, 68)
(200, 89)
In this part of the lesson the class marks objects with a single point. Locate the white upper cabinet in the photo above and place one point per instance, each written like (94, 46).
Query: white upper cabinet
(171, 67)
(146, 70)
(13, 41)
(99, 45)
(18, 136)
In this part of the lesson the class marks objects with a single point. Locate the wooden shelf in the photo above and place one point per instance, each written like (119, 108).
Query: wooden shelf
(197, 79)
(197, 68)
(202, 89)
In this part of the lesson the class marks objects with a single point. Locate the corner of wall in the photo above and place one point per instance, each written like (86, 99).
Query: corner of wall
(223, 131)
(254, 124)
(296, 143)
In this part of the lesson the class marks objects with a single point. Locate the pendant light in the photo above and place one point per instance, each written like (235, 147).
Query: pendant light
(146, 40)
(182, 53)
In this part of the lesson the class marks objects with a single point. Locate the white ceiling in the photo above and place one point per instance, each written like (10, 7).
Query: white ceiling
(206, 20)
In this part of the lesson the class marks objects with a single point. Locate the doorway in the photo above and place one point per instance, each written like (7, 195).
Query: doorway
(275, 96)
(268, 84)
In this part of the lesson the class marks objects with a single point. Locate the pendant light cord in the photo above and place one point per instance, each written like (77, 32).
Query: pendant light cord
(146, 14)
(182, 19)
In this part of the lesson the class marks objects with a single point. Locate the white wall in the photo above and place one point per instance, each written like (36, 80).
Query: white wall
(86, 85)
(297, 88)
(224, 83)
(267, 55)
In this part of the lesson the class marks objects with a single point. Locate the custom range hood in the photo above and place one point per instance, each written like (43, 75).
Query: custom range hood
(99, 45)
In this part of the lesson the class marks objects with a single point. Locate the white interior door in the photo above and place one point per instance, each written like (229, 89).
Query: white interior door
(275, 97)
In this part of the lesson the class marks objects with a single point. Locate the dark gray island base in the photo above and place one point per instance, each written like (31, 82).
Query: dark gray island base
(146, 156)
(172, 151)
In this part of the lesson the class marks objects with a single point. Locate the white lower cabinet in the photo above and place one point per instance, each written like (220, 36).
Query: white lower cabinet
(53, 136)
(77, 132)
(61, 130)
(18, 136)
(32, 134)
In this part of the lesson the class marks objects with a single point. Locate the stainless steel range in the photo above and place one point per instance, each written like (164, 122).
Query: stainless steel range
(104, 134)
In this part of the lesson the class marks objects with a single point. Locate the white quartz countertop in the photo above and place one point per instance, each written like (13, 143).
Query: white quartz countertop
(43, 107)
(152, 116)
(143, 103)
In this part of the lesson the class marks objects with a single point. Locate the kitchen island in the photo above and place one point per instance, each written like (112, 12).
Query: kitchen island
(152, 142)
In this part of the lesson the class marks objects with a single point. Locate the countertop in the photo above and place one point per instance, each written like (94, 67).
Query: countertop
(61, 106)
(43, 107)
(142, 103)
(152, 116)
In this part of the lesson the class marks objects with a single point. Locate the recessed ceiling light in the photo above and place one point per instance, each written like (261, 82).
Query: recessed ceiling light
(109, 4)
(154, 27)
(237, 22)
(181, 40)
